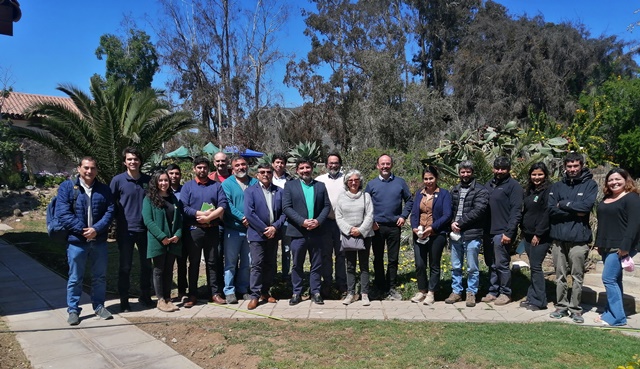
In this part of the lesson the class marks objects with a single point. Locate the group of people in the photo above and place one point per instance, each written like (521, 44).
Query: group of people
(236, 222)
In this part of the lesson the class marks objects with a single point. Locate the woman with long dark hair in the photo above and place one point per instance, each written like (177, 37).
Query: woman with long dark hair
(535, 233)
(430, 219)
(617, 237)
(162, 215)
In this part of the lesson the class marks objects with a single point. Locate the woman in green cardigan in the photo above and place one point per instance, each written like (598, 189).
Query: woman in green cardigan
(162, 215)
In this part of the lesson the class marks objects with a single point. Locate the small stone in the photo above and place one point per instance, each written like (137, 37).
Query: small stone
(174, 340)
(164, 339)
(17, 212)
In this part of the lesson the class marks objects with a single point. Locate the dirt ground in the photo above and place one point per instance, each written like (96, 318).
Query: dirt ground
(10, 350)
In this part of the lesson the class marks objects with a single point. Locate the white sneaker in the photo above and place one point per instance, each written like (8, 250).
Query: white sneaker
(418, 297)
(430, 299)
(349, 299)
(365, 300)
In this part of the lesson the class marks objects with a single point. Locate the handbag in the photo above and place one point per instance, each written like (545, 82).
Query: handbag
(351, 243)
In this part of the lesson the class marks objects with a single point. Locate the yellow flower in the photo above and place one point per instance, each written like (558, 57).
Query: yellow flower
(413, 280)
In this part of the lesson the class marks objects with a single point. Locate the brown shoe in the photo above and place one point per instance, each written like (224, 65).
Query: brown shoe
(217, 299)
(489, 298)
(454, 297)
(471, 299)
(170, 305)
(268, 298)
(502, 300)
(253, 303)
(191, 302)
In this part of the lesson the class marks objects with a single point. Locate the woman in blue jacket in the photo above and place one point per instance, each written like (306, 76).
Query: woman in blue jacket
(430, 219)
(162, 215)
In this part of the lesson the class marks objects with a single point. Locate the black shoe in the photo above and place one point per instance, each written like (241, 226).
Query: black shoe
(317, 298)
(124, 306)
(295, 300)
(146, 301)
(535, 308)
(525, 304)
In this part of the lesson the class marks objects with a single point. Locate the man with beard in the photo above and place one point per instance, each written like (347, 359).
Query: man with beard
(388, 192)
(306, 204)
(334, 182)
(570, 203)
(505, 207)
(222, 172)
(469, 200)
(128, 190)
(204, 204)
(236, 246)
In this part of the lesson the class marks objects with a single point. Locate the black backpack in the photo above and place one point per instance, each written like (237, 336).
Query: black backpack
(55, 229)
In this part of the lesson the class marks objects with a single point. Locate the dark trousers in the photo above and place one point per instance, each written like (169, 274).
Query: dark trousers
(299, 248)
(126, 243)
(389, 234)
(163, 274)
(497, 258)
(285, 249)
(220, 259)
(332, 246)
(199, 240)
(264, 262)
(431, 253)
(361, 256)
(537, 293)
(181, 263)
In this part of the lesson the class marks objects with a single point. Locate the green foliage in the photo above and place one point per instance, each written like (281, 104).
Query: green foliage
(307, 150)
(133, 60)
(104, 123)
(484, 145)
(49, 180)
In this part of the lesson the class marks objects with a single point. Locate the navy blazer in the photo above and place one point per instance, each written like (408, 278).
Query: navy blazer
(442, 211)
(257, 212)
(295, 207)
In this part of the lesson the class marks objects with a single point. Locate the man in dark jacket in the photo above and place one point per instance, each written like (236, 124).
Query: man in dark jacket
(570, 202)
(469, 200)
(87, 218)
(505, 208)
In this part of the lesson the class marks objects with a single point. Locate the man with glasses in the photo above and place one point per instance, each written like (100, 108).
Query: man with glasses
(263, 211)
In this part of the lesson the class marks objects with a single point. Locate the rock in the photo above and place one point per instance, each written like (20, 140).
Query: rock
(174, 340)
(30, 188)
(17, 212)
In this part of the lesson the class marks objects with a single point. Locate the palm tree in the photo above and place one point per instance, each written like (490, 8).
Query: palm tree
(103, 124)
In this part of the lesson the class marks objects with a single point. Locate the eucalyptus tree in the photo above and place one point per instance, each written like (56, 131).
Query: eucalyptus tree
(101, 124)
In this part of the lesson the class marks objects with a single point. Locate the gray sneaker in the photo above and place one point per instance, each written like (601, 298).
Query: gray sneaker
(349, 299)
(231, 299)
(394, 295)
(103, 313)
(73, 319)
(365, 300)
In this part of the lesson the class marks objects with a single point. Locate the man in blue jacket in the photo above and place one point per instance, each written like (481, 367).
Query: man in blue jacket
(306, 203)
(570, 203)
(87, 218)
(263, 211)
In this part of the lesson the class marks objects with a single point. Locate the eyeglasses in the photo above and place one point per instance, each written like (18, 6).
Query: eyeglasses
(263, 172)
(353, 180)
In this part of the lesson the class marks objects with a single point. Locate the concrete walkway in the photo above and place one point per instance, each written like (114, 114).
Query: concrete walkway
(35, 311)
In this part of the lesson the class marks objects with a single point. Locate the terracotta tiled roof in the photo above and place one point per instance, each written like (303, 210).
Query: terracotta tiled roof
(17, 103)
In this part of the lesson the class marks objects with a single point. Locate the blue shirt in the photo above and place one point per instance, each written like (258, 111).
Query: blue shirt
(128, 194)
(194, 194)
(387, 197)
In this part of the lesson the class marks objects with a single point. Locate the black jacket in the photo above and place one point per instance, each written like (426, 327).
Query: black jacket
(535, 216)
(474, 211)
(567, 199)
(505, 206)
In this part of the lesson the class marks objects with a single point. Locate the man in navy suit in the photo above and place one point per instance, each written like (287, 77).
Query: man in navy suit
(306, 203)
(263, 211)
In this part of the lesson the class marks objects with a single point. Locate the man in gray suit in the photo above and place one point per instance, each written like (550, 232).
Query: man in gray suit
(306, 204)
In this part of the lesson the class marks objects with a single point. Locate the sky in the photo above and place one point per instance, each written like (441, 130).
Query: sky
(54, 43)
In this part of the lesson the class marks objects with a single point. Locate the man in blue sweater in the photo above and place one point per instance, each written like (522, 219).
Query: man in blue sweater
(505, 208)
(236, 245)
(388, 192)
(128, 190)
(204, 204)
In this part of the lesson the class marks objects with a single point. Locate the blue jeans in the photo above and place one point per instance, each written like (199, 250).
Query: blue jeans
(236, 247)
(77, 255)
(612, 279)
(459, 249)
